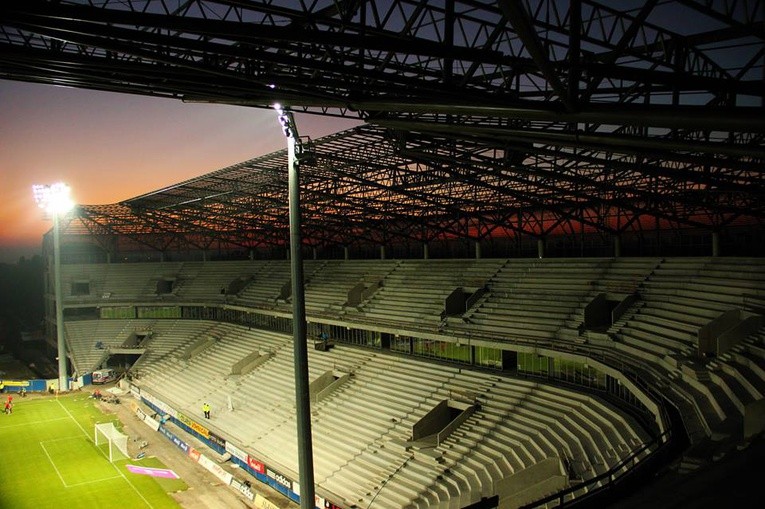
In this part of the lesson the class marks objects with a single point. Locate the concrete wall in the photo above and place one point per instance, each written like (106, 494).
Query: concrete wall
(335, 384)
(754, 418)
(731, 337)
(197, 347)
(248, 363)
(709, 333)
(597, 313)
(432, 422)
(546, 477)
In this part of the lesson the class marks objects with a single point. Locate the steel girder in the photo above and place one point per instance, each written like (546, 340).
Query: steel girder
(361, 55)
(530, 116)
(371, 185)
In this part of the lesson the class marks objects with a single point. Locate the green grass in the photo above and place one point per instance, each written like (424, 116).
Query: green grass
(169, 485)
(48, 459)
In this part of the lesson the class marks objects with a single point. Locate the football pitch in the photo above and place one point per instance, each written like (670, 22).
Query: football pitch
(48, 459)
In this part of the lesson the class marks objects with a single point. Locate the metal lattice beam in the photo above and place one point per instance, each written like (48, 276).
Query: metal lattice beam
(525, 116)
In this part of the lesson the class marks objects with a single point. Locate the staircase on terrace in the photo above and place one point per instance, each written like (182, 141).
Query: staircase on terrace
(533, 298)
(208, 281)
(266, 285)
(660, 332)
(414, 291)
(83, 336)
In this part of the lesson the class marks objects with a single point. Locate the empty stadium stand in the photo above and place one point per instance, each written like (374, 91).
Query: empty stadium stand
(691, 328)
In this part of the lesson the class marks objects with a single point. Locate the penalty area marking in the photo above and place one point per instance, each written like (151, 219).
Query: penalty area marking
(53, 464)
(93, 481)
(58, 472)
(105, 456)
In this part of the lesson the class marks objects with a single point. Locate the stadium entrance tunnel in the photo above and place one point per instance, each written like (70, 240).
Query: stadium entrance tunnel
(237, 285)
(122, 359)
(165, 286)
(326, 384)
(440, 422)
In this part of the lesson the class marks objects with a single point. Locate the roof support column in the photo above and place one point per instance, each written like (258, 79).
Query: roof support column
(715, 243)
(302, 401)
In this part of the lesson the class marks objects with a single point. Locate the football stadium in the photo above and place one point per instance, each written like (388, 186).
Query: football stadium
(532, 277)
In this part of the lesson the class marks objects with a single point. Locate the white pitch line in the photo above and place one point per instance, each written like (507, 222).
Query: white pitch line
(107, 458)
(42, 444)
(34, 422)
(59, 439)
(29, 401)
(93, 481)
(54, 465)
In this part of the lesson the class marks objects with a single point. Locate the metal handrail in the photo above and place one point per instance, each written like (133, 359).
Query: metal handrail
(612, 474)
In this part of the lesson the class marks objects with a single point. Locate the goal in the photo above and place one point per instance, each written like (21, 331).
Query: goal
(106, 433)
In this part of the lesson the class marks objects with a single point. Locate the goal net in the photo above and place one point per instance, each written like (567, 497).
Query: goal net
(105, 434)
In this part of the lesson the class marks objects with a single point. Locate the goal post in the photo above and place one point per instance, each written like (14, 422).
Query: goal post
(106, 433)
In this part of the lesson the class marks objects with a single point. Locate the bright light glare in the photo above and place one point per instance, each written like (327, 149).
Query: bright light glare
(284, 119)
(54, 198)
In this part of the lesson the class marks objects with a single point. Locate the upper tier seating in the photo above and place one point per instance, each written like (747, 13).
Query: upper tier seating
(414, 291)
(534, 302)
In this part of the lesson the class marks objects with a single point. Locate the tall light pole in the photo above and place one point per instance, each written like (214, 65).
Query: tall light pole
(55, 200)
(302, 398)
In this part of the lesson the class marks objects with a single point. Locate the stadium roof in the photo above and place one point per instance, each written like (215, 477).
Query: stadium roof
(485, 118)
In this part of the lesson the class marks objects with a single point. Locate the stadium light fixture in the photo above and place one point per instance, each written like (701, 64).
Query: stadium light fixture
(299, 338)
(55, 199)
(289, 128)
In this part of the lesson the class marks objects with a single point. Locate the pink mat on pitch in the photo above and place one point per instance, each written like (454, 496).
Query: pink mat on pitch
(154, 472)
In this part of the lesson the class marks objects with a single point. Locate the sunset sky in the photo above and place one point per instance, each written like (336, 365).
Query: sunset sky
(109, 147)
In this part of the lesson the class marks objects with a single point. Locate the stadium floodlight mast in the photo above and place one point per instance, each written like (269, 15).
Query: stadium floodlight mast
(55, 200)
(302, 399)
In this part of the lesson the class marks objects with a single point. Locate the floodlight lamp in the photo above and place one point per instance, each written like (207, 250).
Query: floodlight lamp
(54, 198)
(286, 122)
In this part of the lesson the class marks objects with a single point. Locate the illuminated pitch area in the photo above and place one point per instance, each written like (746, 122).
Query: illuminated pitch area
(48, 459)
